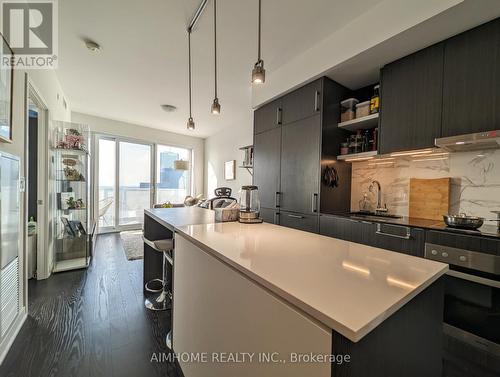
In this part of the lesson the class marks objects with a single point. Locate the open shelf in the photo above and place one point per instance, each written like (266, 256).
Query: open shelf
(363, 123)
(356, 156)
(71, 264)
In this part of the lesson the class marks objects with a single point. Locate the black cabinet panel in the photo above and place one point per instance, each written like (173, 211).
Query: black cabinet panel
(471, 91)
(308, 223)
(346, 229)
(267, 147)
(302, 103)
(411, 101)
(384, 236)
(269, 215)
(300, 159)
(267, 117)
(399, 238)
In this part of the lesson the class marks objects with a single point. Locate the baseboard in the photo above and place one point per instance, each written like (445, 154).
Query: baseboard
(12, 334)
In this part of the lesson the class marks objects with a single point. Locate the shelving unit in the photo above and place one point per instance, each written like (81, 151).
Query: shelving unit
(248, 159)
(357, 156)
(70, 173)
(363, 123)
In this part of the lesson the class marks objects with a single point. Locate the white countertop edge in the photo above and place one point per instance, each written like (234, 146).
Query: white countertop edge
(352, 335)
(157, 218)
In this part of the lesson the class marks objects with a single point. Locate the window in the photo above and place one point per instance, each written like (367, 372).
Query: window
(173, 185)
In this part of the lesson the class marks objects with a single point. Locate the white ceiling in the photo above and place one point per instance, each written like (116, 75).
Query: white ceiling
(143, 62)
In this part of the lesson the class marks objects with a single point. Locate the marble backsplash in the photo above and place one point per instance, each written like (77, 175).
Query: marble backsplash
(475, 178)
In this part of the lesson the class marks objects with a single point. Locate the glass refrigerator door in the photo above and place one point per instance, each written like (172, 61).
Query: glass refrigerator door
(10, 209)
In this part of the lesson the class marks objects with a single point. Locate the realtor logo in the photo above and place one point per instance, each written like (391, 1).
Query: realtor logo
(30, 29)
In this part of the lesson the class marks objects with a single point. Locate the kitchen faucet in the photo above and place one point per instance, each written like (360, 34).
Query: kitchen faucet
(379, 196)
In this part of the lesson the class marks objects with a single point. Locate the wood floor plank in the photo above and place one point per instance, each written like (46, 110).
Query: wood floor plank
(91, 323)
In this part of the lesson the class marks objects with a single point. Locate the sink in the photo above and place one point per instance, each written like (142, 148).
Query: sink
(374, 214)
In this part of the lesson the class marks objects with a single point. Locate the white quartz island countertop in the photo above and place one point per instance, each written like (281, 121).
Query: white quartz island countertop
(350, 288)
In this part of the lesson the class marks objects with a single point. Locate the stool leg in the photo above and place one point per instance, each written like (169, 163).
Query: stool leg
(161, 302)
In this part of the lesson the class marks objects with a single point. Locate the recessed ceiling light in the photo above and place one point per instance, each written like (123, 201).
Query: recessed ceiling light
(168, 108)
(92, 46)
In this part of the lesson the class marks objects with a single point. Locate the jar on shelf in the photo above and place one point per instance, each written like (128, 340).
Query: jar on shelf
(348, 109)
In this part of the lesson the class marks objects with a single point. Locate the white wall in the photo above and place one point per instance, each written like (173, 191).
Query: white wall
(50, 90)
(118, 128)
(223, 147)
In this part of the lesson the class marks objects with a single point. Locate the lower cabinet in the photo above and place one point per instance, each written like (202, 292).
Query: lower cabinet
(308, 223)
(398, 238)
(270, 215)
(346, 229)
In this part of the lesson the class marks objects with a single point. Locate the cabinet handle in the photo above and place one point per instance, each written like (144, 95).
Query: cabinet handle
(296, 216)
(316, 100)
(405, 237)
(314, 203)
(277, 200)
(278, 115)
(277, 218)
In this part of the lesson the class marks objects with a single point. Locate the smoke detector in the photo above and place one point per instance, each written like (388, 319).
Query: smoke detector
(92, 46)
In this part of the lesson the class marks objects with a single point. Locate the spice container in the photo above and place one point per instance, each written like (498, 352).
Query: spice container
(374, 142)
(375, 100)
(348, 109)
(363, 109)
(344, 147)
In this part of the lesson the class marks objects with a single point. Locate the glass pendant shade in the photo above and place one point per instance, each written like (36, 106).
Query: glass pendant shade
(215, 107)
(259, 73)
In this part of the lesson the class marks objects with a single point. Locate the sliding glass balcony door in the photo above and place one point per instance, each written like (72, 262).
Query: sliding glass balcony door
(135, 188)
(125, 186)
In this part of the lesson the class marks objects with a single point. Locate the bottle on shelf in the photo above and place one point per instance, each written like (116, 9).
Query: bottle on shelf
(375, 100)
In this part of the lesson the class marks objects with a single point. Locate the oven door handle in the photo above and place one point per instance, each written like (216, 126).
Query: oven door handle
(474, 279)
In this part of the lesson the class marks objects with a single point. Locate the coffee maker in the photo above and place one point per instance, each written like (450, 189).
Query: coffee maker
(249, 205)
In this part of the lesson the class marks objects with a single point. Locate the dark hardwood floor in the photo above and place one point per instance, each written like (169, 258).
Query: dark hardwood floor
(91, 323)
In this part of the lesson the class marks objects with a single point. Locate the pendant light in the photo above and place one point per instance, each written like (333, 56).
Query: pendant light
(215, 105)
(190, 122)
(258, 72)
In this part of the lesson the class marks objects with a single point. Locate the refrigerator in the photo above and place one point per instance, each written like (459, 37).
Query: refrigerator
(10, 242)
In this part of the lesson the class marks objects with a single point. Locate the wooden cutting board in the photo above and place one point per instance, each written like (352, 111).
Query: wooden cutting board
(429, 198)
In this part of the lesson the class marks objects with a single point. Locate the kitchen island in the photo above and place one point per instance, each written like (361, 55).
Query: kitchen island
(264, 300)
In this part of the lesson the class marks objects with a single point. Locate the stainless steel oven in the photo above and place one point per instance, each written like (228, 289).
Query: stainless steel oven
(472, 306)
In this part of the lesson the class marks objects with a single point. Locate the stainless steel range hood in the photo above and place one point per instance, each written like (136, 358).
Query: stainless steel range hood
(470, 142)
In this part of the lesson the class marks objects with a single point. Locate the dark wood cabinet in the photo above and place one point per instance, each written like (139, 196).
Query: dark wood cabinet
(308, 223)
(411, 101)
(270, 215)
(346, 229)
(268, 117)
(300, 165)
(398, 238)
(289, 156)
(267, 160)
(471, 91)
(303, 102)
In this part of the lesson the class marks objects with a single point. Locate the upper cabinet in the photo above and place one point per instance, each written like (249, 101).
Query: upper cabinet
(300, 165)
(302, 103)
(411, 101)
(267, 164)
(471, 92)
(268, 117)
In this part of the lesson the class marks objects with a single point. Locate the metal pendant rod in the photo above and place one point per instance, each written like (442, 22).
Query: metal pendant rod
(197, 15)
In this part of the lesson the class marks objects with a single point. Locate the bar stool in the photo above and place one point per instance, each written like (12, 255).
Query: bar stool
(162, 301)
